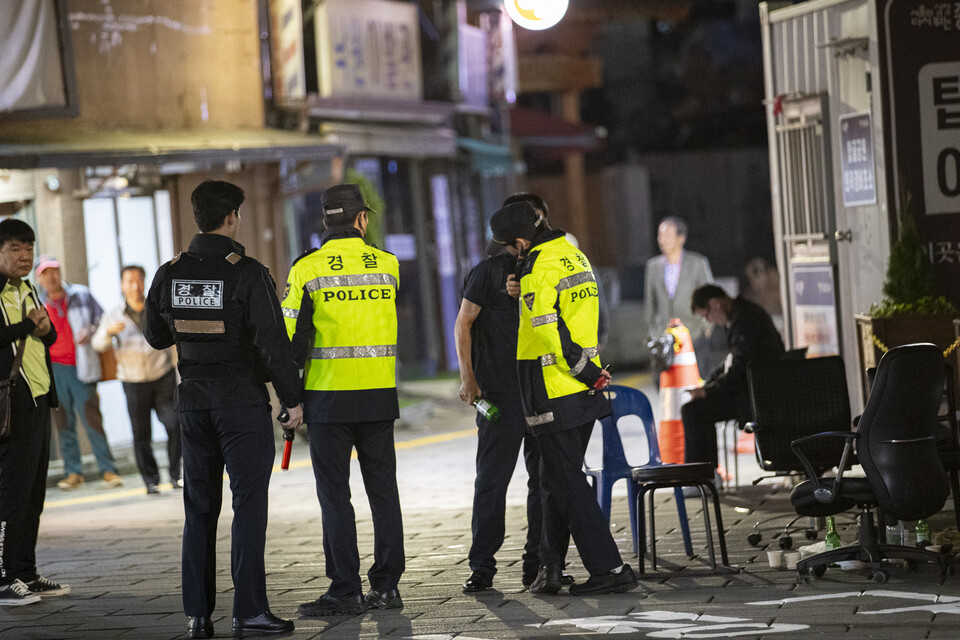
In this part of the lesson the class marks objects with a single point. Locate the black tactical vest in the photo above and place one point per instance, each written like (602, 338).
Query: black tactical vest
(206, 312)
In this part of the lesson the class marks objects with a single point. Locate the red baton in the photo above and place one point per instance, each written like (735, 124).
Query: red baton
(287, 450)
(288, 435)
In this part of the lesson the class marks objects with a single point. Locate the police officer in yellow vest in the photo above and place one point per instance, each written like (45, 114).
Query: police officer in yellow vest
(558, 365)
(220, 308)
(340, 310)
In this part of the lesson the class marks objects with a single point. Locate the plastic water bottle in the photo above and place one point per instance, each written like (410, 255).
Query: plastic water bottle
(923, 533)
(487, 409)
(895, 533)
(832, 539)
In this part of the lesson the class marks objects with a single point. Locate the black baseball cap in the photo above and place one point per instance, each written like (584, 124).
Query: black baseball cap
(515, 220)
(343, 198)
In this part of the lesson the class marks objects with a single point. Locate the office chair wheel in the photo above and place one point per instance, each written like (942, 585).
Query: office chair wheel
(810, 534)
(754, 539)
(818, 570)
(881, 576)
(785, 542)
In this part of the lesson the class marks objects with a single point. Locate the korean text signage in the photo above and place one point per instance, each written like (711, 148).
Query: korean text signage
(368, 48)
(920, 59)
(815, 309)
(286, 23)
(856, 160)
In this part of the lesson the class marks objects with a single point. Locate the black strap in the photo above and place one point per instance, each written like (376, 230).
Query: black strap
(21, 346)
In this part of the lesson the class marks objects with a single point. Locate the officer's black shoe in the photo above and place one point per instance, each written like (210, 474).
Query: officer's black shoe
(477, 582)
(264, 623)
(199, 627)
(609, 582)
(328, 605)
(383, 599)
(548, 580)
(529, 576)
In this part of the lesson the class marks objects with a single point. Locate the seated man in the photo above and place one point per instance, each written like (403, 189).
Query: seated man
(750, 336)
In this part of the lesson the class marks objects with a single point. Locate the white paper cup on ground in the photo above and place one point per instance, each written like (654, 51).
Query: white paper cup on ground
(791, 558)
(775, 558)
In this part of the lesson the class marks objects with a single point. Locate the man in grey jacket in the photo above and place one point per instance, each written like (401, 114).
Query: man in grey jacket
(148, 378)
(670, 279)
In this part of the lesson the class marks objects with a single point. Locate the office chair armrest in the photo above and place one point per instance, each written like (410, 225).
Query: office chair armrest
(822, 493)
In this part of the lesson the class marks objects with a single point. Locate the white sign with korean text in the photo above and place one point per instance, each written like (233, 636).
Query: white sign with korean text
(287, 23)
(368, 48)
(939, 85)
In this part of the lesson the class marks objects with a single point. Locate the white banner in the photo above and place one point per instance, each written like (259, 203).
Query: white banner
(288, 75)
(368, 48)
(31, 72)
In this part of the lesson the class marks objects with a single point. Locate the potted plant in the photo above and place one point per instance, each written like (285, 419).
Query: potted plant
(911, 311)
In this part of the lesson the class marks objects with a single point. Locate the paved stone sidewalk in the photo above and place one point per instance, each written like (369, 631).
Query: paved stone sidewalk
(120, 552)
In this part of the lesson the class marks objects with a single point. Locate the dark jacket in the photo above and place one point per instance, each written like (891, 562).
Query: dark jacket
(227, 350)
(750, 336)
(9, 335)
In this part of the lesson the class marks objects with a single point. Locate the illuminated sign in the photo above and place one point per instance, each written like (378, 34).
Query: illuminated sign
(536, 14)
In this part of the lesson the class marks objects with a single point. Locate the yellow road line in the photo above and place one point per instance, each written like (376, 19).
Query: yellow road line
(297, 464)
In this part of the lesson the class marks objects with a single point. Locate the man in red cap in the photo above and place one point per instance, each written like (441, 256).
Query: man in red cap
(75, 315)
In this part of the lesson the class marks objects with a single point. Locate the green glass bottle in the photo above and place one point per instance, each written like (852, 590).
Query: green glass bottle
(923, 533)
(832, 539)
(487, 409)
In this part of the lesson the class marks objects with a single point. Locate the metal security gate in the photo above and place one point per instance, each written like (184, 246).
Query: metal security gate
(807, 218)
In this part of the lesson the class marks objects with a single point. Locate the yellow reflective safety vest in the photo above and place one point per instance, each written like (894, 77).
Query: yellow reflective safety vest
(340, 311)
(557, 356)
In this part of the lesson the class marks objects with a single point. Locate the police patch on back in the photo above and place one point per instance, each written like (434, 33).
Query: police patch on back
(197, 294)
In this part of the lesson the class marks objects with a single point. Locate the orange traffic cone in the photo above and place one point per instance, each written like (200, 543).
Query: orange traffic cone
(682, 375)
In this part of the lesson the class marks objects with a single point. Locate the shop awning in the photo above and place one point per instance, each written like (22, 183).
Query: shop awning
(487, 157)
(537, 129)
(55, 147)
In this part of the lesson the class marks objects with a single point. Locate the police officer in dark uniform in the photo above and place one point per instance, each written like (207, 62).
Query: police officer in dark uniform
(221, 310)
(340, 311)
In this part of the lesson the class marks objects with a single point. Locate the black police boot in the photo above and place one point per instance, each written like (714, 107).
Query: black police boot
(477, 582)
(328, 605)
(264, 623)
(609, 582)
(383, 599)
(199, 627)
(548, 580)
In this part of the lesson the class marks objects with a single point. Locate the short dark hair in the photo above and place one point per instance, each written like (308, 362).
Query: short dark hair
(13, 229)
(342, 219)
(133, 267)
(703, 294)
(677, 222)
(532, 198)
(213, 201)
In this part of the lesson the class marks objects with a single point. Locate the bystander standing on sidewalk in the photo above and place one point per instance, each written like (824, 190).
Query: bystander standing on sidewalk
(148, 377)
(76, 367)
(25, 336)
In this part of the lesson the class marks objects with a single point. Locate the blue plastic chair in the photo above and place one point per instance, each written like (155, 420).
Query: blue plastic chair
(627, 401)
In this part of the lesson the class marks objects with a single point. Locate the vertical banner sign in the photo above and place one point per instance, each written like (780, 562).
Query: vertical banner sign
(815, 309)
(856, 160)
(919, 44)
(446, 263)
(368, 48)
(286, 22)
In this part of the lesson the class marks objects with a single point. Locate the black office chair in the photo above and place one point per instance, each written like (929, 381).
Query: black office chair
(896, 446)
(791, 399)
